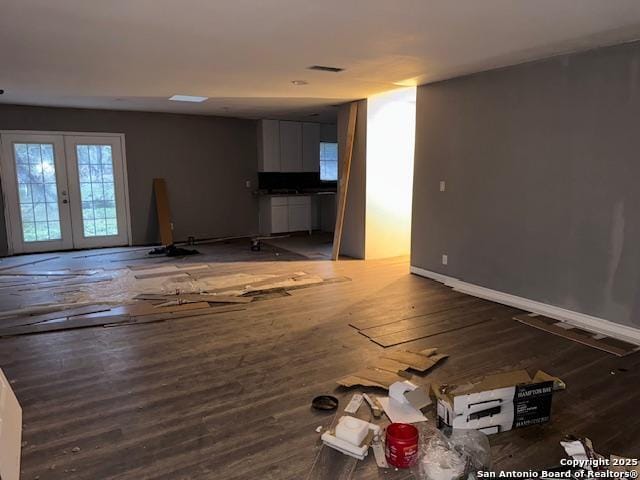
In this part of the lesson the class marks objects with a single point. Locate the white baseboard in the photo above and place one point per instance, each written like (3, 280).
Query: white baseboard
(581, 320)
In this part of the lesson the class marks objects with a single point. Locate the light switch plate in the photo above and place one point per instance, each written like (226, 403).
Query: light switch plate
(443, 185)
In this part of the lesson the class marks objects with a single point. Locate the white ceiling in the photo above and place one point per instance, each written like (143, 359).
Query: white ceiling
(134, 54)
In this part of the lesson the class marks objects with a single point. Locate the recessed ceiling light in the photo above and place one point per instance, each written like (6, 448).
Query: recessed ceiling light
(323, 68)
(188, 98)
(299, 82)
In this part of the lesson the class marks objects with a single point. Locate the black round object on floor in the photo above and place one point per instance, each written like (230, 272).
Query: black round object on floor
(325, 402)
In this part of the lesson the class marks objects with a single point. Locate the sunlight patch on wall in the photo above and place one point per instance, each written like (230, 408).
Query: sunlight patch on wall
(391, 120)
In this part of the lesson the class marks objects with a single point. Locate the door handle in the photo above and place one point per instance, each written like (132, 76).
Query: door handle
(65, 201)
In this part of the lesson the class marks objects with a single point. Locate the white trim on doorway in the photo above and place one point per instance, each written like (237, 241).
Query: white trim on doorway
(121, 136)
(577, 319)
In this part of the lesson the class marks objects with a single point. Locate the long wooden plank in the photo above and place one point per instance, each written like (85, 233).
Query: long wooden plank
(194, 297)
(60, 314)
(177, 315)
(343, 184)
(443, 326)
(616, 347)
(253, 286)
(79, 322)
(437, 307)
(389, 307)
(22, 264)
(163, 211)
(419, 321)
(117, 252)
(56, 284)
(145, 308)
(211, 298)
(173, 273)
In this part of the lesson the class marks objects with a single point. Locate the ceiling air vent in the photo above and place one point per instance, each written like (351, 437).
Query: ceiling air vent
(326, 69)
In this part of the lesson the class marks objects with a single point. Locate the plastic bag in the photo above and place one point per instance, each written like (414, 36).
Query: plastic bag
(453, 455)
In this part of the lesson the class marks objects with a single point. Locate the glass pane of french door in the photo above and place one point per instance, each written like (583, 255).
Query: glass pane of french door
(97, 190)
(34, 180)
(37, 191)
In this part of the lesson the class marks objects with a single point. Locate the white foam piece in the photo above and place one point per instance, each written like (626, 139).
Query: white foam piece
(352, 430)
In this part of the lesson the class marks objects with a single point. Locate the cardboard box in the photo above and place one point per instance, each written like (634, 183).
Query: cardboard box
(496, 403)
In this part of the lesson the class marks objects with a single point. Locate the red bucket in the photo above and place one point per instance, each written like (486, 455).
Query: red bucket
(401, 448)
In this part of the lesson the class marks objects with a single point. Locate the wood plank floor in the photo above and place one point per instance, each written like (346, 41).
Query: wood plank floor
(227, 396)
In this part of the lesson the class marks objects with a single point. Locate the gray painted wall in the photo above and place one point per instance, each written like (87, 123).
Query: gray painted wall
(542, 168)
(205, 161)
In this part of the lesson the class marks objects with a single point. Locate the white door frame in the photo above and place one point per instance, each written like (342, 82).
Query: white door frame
(4, 179)
(11, 197)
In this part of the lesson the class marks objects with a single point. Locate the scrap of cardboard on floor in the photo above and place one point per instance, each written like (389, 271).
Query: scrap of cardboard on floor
(392, 367)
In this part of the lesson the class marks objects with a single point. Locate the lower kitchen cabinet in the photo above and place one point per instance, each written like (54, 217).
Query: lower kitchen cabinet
(299, 213)
(283, 214)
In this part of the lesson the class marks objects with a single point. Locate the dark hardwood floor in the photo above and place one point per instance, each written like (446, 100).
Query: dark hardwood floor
(228, 396)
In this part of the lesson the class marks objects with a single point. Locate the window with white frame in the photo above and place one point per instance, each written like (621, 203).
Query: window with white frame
(328, 161)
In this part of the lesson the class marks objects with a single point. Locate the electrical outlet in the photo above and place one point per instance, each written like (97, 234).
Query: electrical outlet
(445, 259)
(247, 183)
(171, 225)
(443, 185)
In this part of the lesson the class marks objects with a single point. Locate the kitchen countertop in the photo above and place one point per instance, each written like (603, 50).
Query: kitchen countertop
(264, 193)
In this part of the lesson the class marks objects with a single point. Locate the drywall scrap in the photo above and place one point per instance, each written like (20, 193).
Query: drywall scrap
(614, 346)
(10, 431)
(392, 367)
(67, 299)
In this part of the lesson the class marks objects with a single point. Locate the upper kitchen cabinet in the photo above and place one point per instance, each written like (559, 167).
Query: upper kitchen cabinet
(291, 147)
(286, 146)
(269, 146)
(310, 147)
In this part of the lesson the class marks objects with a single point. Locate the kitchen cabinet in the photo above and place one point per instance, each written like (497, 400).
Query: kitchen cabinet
(283, 214)
(269, 146)
(310, 147)
(299, 213)
(279, 219)
(285, 146)
(291, 147)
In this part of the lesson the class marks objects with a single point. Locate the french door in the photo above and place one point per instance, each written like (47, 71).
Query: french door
(63, 191)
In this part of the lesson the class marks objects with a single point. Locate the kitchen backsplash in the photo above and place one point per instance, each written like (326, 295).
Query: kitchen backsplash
(292, 181)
